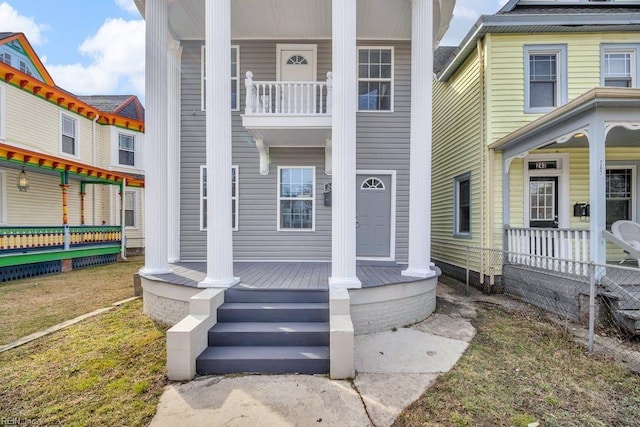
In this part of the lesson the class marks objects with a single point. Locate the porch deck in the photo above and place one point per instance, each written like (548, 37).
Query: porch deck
(288, 275)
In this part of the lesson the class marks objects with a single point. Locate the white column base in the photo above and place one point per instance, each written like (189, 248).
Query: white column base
(419, 272)
(344, 283)
(218, 283)
(150, 271)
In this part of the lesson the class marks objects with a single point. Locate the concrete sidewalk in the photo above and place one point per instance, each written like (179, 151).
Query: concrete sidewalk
(394, 369)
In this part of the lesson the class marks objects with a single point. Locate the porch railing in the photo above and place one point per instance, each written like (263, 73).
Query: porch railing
(557, 249)
(24, 239)
(288, 98)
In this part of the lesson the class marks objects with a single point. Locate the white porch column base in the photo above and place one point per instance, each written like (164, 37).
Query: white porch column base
(344, 283)
(419, 272)
(151, 271)
(209, 282)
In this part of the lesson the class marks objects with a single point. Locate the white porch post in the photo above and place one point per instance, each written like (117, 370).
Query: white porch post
(343, 122)
(597, 181)
(155, 217)
(218, 142)
(173, 121)
(420, 152)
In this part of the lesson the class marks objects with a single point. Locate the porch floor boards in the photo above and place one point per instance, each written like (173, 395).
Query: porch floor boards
(288, 275)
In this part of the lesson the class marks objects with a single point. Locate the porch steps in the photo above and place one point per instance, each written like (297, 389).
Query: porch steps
(269, 331)
(624, 305)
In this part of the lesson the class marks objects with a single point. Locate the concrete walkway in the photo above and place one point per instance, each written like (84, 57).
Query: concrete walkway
(394, 369)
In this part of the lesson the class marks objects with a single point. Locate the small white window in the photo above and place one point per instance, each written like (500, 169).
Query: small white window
(126, 149)
(235, 80)
(375, 79)
(204, 196)
(620, 194)
(372, 184)
(24, 67)
(462, 205)
(296, 198)
(69, 142)
(545, 77)
(5, 57)
(129, 209)
(619, 65)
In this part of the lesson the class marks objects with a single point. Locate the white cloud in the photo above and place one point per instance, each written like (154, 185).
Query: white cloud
(464, 12)
(116, 54)
(11, 20)
(127, 5)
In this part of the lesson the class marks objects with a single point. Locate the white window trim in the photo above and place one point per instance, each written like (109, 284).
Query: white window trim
(621, 48)
(135, 150)
(203, 77)
(135, 209)
(77, 136)
(392, 80)
(634, 189)
(233, 199)
(456, 205)
(562, 172)
(3, 197)
(560, 50)
(313, 200)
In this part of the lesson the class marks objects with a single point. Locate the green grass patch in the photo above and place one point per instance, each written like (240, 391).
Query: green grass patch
(107, 370)
(29, 305)
(520, 369)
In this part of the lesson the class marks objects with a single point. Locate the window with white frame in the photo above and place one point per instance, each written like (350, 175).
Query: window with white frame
(235, 80)
(462, 204)
(130, 209)
(204, 197)
(126, 149)
(296, 198)
(545, 77)
(5, 57)
(24, 67)
(375, 79)
(619, 65)
(620, 193)
(69, 141)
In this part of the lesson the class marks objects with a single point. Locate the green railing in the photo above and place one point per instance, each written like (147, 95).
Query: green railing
(14, 239)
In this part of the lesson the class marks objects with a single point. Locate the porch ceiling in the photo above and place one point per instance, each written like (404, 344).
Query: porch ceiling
(303, 19)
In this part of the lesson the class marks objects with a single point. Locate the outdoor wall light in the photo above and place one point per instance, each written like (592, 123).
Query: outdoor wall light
(23, 181)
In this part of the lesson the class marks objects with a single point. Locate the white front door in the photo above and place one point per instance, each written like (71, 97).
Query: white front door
(297, 63)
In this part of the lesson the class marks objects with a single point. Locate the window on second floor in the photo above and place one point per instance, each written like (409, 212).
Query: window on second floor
(126, 149)
(5, 57)
(235, 80)
(619, 65)
(68, 139)
(375, 79)
(545, 77)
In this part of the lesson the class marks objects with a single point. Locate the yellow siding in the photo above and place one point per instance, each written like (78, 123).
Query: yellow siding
(505, 89)
(456, 150)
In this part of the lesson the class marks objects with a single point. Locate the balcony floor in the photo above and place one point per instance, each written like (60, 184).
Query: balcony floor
(288, 275)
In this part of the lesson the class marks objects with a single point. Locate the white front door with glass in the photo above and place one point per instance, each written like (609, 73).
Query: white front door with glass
(296, 63)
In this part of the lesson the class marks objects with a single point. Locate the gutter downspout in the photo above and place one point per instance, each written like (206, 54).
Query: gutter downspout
(483, 187)
(94, 160)
(123, 239)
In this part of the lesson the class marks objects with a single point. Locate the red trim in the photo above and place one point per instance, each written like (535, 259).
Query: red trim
(23, 83)
(8, 76)
(60, 100)
(36, 89)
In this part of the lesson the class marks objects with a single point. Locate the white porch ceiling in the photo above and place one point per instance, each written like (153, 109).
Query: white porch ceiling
(303, 19)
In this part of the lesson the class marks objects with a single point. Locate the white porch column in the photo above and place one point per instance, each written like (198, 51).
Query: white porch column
(155, 204)
(343, 136)
(173, 122)
(218, 142)
(420, 163)
(597, 183)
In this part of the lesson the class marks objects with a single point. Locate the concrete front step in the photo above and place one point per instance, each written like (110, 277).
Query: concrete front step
(269, 334)
(236, 294)
(258, 359)
(273, 312)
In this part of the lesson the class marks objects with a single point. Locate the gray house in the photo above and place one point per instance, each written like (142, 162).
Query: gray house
(294, 152)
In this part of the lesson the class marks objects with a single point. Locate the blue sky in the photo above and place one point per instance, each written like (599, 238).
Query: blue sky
(97, 46)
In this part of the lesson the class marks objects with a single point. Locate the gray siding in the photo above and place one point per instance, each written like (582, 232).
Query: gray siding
(383, 143)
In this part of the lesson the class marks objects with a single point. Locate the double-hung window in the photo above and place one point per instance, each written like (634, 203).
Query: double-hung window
(619, 65)
(69, 141)
(375, 79)
(620, 191)
(462, 205)
(296, 198)
(130, 209)
(545, 77)
(204, 197)
(235, 79)
(126, 149)
(5, 57)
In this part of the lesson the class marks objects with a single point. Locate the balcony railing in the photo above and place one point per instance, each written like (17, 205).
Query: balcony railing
(37, 238)
(281, 98)
(555, 249)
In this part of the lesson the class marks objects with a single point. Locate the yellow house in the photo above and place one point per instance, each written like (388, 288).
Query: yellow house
(536, 133)
(65, 163)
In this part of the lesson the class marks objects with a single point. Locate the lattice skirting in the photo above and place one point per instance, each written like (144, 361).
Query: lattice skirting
(15, 272)
(91, 261)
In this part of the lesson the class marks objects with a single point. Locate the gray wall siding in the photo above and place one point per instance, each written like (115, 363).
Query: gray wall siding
(383, 143)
